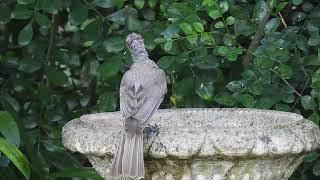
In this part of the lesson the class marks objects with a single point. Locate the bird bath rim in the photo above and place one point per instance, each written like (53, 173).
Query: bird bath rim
(241, 116)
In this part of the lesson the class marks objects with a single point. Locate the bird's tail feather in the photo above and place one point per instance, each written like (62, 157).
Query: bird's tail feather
(128, 160)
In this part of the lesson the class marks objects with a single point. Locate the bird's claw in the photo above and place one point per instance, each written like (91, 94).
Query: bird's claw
(149, 134)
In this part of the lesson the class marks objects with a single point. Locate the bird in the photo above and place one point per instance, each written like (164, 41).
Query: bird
(142, 90)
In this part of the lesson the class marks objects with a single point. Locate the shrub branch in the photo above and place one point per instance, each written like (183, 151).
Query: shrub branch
(51, 40)
(256, 39)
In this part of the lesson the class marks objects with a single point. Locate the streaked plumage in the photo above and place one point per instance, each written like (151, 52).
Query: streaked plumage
(142, 90)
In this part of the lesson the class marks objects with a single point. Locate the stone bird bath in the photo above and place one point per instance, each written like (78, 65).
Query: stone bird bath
(203, 144)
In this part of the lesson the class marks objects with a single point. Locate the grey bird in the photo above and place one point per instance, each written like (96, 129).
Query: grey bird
(142, 90)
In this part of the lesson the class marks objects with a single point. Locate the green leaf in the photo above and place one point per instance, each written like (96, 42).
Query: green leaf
(231, 53)
(78, 15)
(90, 66)
(285, 71)
(21, 12)
(230, 20)
(265, 103)
(312, 157)
(297, 2)
(9, 128)
(29, 65)
(165, 62)
(109, 68)
(236, 86)
(316, 80)
(273, 50)
(114, 44)
(149, 14)
(83, 172)
(307, 6)
(272, 25)
(134, 24)
(182, 91)
(25, 1)
(52, 144)
(272, 3)
(316, 168)
(204, 88)
(215, 14)
(12, 102)
(247, 100)
(50, 6)
(16, 157)
(172, 31)
(186, 28)
(281, 6)
(224, 6)
(207, 38)
(57, 77)
(219, 25)
(19, 85)
(121, 16)
(119, 3)
(192, 38)
(92, 32)
(42, 20)
(265, 63)
(314, 39)
(223, 50)
(61, 159)
(243, 27)
(108, 102)
(206, 62)
(283, 107)
(260, 11)
(225, 99)
(168, 45)
(298, 17)
(208, 2)
(314, 118)
(88, 43)
(287, 97)
(301, 42)
(25, 35)
(198, 27)
(4, 14)
(139, 3)
(152, 3)
(160, 40)
(308, 103)
(104, 3)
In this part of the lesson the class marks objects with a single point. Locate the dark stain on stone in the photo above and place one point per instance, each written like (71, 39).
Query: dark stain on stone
(265, 139)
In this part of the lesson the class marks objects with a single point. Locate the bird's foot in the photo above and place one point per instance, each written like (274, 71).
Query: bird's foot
(149, 134)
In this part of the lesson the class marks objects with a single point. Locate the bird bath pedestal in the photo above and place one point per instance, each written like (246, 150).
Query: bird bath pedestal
(203, 144)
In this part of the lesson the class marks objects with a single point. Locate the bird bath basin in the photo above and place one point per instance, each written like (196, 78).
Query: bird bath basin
(203, 144)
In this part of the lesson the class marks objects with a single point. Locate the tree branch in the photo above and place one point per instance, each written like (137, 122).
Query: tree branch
(256, 39)
(51, 40)
(282, 20)
(285, 81)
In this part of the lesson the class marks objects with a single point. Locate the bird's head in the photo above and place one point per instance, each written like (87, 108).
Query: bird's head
(136, 47)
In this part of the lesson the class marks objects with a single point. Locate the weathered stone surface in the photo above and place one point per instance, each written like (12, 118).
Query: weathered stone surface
(198, 144)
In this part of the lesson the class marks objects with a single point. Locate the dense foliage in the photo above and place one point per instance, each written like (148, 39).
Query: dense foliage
(60, 59)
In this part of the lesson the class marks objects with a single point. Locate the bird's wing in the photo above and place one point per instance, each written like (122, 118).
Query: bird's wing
(155, 90)
(131, 94)
(141, 93)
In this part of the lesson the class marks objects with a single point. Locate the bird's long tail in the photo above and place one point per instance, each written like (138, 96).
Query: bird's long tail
(128, 160)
